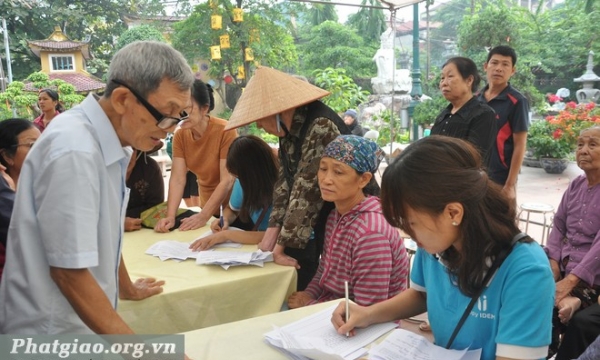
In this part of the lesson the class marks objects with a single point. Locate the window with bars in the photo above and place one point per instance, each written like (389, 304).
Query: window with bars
(62, 62)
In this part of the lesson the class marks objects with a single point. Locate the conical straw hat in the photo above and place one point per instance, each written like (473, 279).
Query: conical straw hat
(270, 92)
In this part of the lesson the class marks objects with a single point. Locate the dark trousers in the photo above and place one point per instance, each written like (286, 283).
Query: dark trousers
(308, 259)
(581, 331)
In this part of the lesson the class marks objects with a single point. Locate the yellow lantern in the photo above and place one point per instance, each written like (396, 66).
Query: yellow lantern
(249, 54)
(241, 72)
(254, 36)
(224, 41)
(238, 15)
(215, 52)
(216, 22)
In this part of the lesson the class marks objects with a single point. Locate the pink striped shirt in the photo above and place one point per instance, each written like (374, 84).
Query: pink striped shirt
(361, 247)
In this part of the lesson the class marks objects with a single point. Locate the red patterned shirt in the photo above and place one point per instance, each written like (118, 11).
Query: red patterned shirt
(361, 247)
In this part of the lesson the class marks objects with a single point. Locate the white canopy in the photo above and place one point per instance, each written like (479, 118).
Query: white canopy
(396, 4)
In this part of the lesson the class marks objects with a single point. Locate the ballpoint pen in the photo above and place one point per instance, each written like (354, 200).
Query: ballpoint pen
(347, 304)
(221, 217)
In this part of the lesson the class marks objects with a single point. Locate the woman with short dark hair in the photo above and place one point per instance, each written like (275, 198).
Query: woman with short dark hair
(17, 136)
(465, 117)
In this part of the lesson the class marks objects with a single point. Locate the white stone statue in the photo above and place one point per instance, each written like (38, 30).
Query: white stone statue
(389, 79)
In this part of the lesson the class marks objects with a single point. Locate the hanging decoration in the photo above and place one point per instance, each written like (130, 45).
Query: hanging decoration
(216, 22)
(248, 54)
(241, 72)
(215, 52)
(224, 41)
(238, 15)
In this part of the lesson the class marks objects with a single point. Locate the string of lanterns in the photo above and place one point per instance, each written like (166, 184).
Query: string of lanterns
(216, 23)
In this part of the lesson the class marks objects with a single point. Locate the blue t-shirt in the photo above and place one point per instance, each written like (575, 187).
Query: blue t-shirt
(235, 203)
(512, 317)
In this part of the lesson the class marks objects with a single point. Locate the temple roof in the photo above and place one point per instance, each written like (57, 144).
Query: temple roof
(83, 82)
(59, 42)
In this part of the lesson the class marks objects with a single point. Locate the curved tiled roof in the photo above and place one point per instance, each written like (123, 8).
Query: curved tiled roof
(51, 44)
(82, 82)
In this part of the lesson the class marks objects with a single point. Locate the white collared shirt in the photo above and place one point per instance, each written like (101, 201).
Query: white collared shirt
(69, 213)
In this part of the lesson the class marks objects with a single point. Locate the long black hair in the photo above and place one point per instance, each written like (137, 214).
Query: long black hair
(436, 171)
(255, 164)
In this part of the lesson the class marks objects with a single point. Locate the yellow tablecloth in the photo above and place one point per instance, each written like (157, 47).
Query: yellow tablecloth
(198, 296)
(245, 339)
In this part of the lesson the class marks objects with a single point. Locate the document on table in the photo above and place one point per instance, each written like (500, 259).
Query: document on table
(233, 258)
(314, 337)
(178, 251)
(405, 345)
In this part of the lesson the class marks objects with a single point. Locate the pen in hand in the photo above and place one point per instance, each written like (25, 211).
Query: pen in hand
(347, 305)
(221, 223)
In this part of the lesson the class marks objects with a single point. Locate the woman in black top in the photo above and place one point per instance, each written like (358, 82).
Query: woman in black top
(465, 117)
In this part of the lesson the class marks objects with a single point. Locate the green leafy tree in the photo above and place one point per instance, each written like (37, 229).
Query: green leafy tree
(345, 93)
(334, 45)
(319, 13)
(369, 23)
(503, 25)
(142, 32)
(265, 30)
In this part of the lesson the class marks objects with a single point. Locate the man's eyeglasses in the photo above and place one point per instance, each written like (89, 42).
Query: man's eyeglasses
(164, 122)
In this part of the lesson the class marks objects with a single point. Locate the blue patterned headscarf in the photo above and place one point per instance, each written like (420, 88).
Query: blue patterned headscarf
(361, 154)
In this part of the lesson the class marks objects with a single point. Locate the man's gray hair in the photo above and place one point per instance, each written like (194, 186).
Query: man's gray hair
(144, 64)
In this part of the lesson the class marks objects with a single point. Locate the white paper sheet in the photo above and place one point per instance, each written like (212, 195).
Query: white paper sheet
(405, 345)
(315, 337)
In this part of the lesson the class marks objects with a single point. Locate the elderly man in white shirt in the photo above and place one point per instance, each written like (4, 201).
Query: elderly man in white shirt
(64, 270)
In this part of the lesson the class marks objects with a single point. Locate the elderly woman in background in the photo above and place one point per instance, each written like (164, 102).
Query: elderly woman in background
(17, 136)
(49, 106)
(201, 146)
(470, 252)
(574, 249)
(361, 247)
(465, 117)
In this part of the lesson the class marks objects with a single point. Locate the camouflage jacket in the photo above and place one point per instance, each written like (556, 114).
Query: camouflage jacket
(295, 210)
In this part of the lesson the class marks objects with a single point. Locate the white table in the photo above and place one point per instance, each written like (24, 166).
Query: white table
(198, 296)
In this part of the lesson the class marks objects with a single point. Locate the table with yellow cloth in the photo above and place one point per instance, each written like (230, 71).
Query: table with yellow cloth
(198, 296)
(245, 339)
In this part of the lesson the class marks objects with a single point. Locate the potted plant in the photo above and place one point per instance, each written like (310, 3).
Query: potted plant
(555, 137)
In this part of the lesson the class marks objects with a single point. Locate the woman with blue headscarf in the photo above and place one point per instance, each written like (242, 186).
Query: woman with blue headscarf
(360, 247)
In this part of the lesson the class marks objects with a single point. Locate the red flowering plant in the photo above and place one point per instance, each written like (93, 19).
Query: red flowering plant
(556, 135)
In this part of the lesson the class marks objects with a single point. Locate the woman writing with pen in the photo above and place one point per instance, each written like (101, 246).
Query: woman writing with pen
(361, 247)
(255, 166)
(483, 283)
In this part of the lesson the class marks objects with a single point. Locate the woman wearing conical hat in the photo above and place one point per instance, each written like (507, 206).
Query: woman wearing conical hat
(288, 107)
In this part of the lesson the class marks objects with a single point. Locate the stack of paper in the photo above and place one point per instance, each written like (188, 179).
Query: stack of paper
(405, 345)
(178, 251)
(233, 258)
(314, 337)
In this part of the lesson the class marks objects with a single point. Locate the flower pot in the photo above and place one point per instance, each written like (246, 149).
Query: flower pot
(554, 166)
(530, 160)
